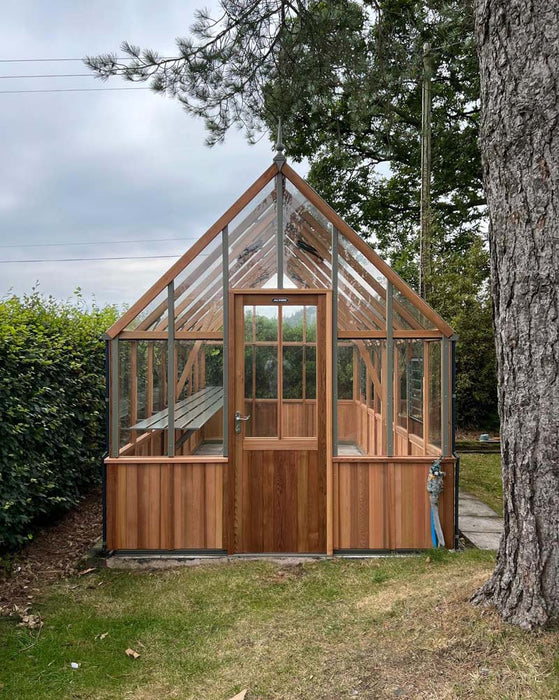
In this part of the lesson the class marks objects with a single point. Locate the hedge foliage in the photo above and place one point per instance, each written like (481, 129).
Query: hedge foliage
(51, 409)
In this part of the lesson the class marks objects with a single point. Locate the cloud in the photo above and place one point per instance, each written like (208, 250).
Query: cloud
(103, 166)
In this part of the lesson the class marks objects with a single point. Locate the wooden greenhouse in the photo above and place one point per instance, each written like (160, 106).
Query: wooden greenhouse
(279, 390)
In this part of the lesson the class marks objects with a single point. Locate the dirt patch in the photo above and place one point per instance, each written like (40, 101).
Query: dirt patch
(53, 554)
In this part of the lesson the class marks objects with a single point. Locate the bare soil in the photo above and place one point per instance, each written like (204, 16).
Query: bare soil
(54, 554)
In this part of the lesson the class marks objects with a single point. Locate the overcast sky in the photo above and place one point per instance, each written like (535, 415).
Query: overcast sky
(89, 167)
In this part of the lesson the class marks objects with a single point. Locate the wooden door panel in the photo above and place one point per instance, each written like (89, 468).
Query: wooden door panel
(282, 502)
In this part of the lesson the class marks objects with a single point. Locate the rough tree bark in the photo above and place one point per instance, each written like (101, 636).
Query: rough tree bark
(518, 47)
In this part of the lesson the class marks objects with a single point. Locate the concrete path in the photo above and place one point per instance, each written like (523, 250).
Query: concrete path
(478, 523)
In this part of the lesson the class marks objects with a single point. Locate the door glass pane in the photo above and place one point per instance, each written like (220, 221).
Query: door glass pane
(310, 372)
(292, 323)
(265, 323)
(261, 371)
(299, 371)
(265, 372)
(293, 372)
(310, 324)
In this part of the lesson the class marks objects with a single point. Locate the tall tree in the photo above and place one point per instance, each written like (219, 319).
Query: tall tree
(518, 44)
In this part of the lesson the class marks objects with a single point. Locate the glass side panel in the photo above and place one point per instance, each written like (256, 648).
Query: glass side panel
(142, 395)
(434, 363)
(152, 375)
(308, 242)
(124, 392)
(199, 397)
(359, 415)
(253, 242)
(361, 291)
(408, 399)
(401, 370)
(415, 388)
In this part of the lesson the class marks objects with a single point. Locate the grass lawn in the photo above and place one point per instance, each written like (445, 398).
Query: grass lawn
(398, 627)
(480, 475)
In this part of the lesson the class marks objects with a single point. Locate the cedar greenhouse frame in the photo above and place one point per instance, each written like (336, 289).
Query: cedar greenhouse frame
(306, 388)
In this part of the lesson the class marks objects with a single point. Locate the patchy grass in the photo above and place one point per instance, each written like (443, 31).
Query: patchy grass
(328, 629)
(480, 475)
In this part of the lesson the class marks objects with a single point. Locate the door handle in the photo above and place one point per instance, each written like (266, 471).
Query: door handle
(238, 420)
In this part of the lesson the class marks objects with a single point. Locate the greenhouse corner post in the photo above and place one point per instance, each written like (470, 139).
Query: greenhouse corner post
(335, 341)
(171, 379)
(445, 370)
(114, 399)
(107, 447)
(453, 445)
(225, 275)
(390, 422)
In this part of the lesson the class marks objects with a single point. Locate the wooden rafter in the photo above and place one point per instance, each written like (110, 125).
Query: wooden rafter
(197, 279)
(246, 233)
(197, 248)
(374, 306)
(355, 297)
(306, 190)
(356, 266)
(187, 312)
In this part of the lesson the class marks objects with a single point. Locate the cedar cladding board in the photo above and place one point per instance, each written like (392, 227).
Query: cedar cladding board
(279, 390)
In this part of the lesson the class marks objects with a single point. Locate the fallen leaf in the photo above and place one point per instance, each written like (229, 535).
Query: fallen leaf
(86, 571)
(32, 622)
(241, 695)
(133, 654)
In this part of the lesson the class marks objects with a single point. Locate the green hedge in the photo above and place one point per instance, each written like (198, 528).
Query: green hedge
(51, 409)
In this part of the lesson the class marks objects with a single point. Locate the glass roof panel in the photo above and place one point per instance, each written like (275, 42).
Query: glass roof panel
(410, 313)
(361, 290)
(149, 317)
(252, 242)
(199, 291)
(308, 242)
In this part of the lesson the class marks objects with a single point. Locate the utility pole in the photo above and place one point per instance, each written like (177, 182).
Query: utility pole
(425, 255)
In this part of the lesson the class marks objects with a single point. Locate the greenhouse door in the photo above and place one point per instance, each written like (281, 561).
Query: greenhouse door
(278, 404)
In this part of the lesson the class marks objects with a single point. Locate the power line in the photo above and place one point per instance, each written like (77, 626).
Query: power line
(52, 60)
(19, 92)
(65, 60)
(43, 260)
(143, 240)
(49, 75)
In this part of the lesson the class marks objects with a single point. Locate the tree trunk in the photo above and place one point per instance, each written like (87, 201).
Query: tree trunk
(518, 47)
